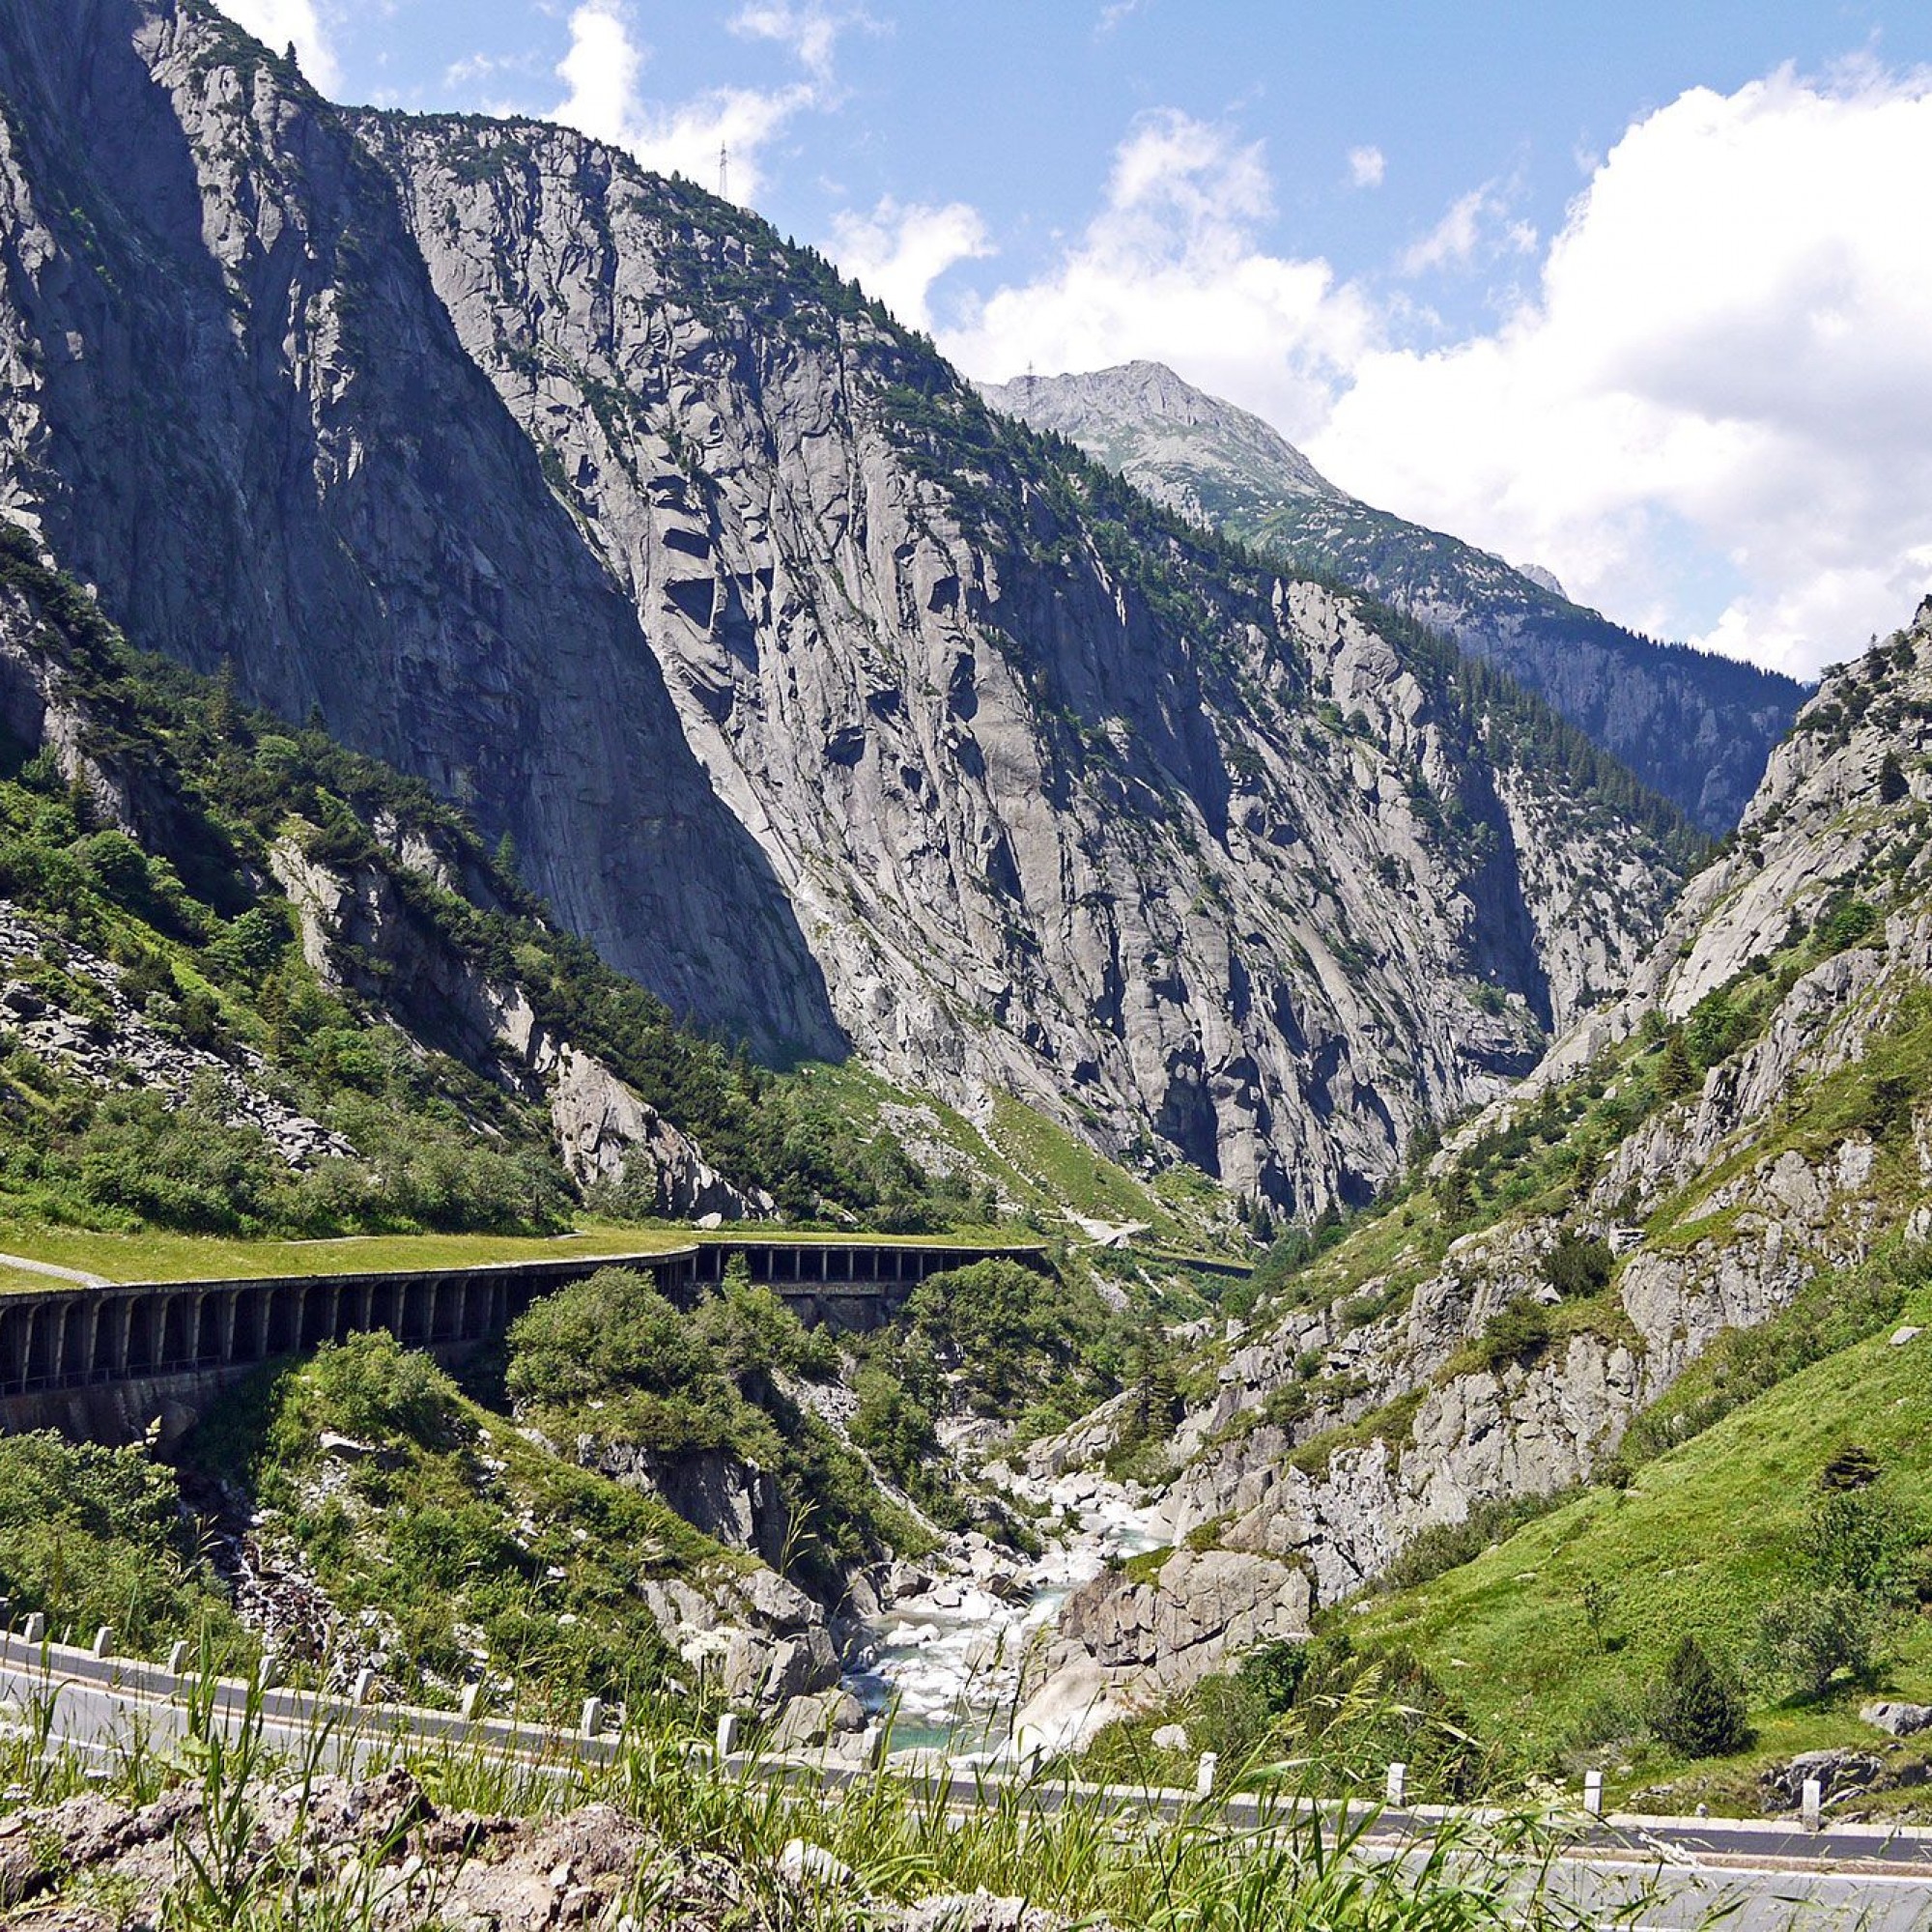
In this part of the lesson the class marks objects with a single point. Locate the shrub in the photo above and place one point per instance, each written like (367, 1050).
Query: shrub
(1844, 922)
(1696, 1710)
(1577, 1265)
(1517, 1333)
(1807, 1635)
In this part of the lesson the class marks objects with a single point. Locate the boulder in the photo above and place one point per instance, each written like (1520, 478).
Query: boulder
(1839, 1774)
(800, 1665)
(817, 1719)
(1902, 1721)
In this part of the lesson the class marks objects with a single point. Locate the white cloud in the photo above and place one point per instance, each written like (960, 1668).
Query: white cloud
(279, 22)
(810, 32)
(1476, 223)
(898, 253)
(1367, 167)
(1709, 411)
(1169, 269)
(1725, 372)
(605, 65)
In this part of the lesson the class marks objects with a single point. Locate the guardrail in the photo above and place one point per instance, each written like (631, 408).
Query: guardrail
(1904, 1850)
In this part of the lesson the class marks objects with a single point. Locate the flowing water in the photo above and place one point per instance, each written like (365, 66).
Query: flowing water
(950, 1659)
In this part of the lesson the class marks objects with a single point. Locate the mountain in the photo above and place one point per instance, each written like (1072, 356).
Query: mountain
(849, 717)
(1693, 725)
(1706, 1187)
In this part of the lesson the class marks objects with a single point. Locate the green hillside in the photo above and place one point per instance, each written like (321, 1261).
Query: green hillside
(1699, 1541)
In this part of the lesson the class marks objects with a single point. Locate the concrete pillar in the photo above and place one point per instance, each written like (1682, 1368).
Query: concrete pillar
(231, 1303)
(471, 1706)
(1593, 1793)
(727, 1734)
(178, 1657)
(1204, 1773)
(120, 1327)
(1814, 1805)
(104, 1641)
(593, 1721)
(28, 1330)
(363, 1690)
(35, 1629)
(429, 1312)
(12, 1355)
(1397, 1783)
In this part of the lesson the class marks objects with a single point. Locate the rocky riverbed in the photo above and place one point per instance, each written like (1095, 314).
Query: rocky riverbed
(950, 1646)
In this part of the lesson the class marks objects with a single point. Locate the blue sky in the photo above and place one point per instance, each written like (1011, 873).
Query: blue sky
(1633, 291)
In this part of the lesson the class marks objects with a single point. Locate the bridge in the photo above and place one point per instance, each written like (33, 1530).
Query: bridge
(103, 1362)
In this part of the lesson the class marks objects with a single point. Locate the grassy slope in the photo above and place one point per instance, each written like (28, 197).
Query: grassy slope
(1699, 1540)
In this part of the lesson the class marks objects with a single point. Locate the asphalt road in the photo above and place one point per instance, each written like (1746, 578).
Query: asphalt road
(1676, 1873)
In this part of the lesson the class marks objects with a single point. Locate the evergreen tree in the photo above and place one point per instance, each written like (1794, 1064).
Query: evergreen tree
(1892, 788)
(1675, 1074)
(1695, 1710)
(1453, 1197)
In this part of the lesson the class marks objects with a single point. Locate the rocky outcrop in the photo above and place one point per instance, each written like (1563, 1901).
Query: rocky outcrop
(1694, 725)
(80, 1022)
(96, 1861)
(358, 928)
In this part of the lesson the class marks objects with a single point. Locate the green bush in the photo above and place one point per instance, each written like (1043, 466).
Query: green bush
(93, 1536)
(1578, 1266)
(1807, 1635)
(1518, 1332)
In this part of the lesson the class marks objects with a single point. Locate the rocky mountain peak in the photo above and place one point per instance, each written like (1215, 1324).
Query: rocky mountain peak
(1185, 447)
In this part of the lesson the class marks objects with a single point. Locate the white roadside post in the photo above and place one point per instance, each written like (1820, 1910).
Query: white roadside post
(728, 1726)
(103, 1640)
(593, 1716)
(1814, 1803)
(267, 1674)
(35, 1630)
(1203, 1774)
(1397, 1783)
(471, 1705)
(363, 1690)
(1593, 1793)
(177, 1658)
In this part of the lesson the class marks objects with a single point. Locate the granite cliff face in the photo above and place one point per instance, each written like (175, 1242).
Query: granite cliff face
(838, 710)
(1065, 802)
(231, 400)
(1695, 726)
(1416, 1376)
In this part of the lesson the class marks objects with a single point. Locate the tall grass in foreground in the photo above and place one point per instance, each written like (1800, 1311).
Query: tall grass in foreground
(1083, 1854)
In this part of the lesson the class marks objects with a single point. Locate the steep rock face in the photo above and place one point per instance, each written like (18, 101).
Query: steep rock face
(228, 396)
(1063, 808)
(1791, 1158)
(358, 930)
(1695, 726)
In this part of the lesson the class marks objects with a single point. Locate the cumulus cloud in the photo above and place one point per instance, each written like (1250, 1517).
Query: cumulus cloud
(898, 253)
(1708, 409)
(279, 23)
(605, 65)
(1724, 376)
(1367, 167)
(1169, 269)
